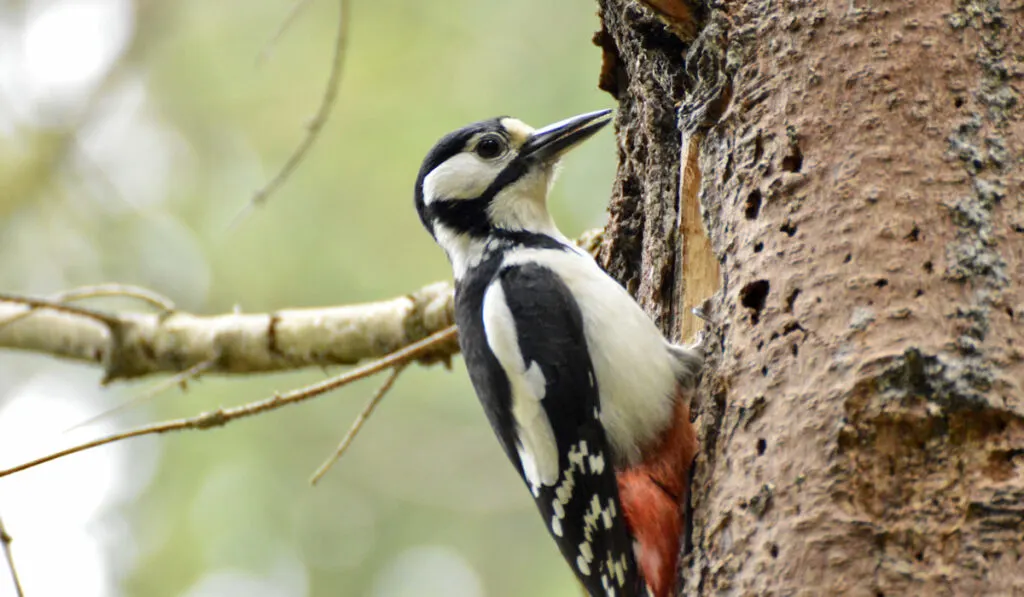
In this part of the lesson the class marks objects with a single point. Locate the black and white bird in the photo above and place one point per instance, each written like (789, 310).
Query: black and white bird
(588, 399)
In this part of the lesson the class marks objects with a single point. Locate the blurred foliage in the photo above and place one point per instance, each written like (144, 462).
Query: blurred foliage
(135, 179)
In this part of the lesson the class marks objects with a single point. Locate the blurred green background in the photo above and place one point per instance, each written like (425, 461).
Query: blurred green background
(130, 135)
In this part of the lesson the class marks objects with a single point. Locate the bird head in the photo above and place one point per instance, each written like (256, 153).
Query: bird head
(493, 176)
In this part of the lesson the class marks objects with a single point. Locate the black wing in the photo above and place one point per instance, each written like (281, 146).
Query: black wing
(581, 509)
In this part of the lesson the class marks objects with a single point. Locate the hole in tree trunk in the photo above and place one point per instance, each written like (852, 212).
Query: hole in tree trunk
(753, 296)
(753, 206)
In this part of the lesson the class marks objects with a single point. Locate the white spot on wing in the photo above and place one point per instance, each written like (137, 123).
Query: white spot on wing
(608, 514)
(556, 526)
(609, 590)
(582, 566)
(590, 519)
(620, 573)
(529, 469)
(535, 379)
(586, 553)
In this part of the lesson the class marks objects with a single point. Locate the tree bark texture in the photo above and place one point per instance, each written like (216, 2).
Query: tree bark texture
(857, 167)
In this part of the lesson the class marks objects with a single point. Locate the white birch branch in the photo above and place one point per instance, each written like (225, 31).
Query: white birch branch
(129, 345)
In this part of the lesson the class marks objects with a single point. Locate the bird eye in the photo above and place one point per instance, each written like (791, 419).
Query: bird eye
(490, 147)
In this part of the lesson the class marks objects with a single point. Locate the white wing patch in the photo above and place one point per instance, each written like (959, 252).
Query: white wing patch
(634, 369)
(537, 448)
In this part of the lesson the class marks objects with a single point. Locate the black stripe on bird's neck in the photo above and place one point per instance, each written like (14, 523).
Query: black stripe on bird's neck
(463, 216)
(527, 239)
(469, 216)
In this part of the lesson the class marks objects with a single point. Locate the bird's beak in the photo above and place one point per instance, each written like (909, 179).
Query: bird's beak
(552, 141)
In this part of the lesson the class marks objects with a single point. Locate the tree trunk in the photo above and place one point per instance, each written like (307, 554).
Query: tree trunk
(858, 167)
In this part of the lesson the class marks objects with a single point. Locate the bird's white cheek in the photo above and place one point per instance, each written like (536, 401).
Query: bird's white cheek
(463, 176)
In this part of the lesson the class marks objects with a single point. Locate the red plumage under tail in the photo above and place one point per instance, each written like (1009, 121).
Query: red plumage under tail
(653, 496)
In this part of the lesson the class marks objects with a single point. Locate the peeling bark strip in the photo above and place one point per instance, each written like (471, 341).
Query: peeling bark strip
(132, 345)
(862, 186)
(644, 61)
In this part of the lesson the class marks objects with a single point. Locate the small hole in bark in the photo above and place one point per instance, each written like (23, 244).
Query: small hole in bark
(753, 296)
(914, 235)
(631, 187)
(758, 247)
(758, 148)
(919, 556)
(727, 171)
(760, 345)
(929, 267)
(795, 349)
(761, 446)
(918, 292)
(1009, 311)
(753, 205)
(793, 162)
(764, 371)
(791, 299)
(958, 102)
(788, 228)
(848, 258)
(773, 549)
(881, 283)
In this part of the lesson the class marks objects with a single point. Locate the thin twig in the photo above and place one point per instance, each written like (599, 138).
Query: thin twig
(293, 13)
(357, 425)
(158, 388)
(125, 290)
(314, 126)
(5, 540)
(222, 416)
(36, 303)
(99, 290)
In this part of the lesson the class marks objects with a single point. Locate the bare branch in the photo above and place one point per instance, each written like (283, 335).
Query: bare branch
(138, 293)
(99, 290)
(315, 125)
(158, 388)
(357, 425)
(131, 345)
(429, 349)
(39, 303)
(293, 13)
(5, 541)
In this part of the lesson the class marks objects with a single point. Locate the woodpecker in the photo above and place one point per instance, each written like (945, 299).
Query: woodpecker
(589, 401)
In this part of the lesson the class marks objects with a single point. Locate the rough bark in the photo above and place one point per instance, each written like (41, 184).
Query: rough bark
(861, 183)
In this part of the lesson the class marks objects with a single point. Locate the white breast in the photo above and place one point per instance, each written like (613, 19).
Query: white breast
(634, 367)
